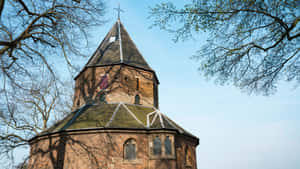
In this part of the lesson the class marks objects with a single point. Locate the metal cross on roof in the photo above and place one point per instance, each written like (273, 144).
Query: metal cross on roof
(119, 10)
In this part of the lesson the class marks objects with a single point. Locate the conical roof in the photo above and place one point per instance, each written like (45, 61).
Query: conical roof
(111, 51)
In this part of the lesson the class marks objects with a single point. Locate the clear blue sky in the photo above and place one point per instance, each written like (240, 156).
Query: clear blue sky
(235, 130)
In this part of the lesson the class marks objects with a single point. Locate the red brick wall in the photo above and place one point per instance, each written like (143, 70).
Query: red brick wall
(183, 143)
(122, 85)
(99, 149)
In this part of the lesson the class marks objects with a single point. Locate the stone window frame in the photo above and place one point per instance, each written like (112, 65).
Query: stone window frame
(124, 149)
(163, 155)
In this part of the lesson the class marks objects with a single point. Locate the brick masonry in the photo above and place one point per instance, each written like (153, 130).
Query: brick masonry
(103, 149)
(122, 85)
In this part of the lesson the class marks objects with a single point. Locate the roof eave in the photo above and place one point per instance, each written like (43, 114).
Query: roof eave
(114, 128)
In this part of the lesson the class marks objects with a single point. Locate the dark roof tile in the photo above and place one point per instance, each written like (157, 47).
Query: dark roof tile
(109, 51)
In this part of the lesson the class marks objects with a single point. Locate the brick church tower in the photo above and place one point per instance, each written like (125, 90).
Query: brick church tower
(115, 122)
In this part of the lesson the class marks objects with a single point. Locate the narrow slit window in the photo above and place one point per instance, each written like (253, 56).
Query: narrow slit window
(130, 150)
(168, 146)
(156, 146)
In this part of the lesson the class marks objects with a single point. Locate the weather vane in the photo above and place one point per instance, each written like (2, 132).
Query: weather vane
(119, 10)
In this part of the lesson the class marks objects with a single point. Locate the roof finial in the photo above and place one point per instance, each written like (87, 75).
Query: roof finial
(119, 10)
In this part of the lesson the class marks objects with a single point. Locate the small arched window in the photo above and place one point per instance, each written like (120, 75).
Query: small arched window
(156, 146)
(130, 149)
(137, 99)
(168, 147)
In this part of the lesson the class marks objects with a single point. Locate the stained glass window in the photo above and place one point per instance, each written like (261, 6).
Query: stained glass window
(156, 146)
(168, 147)
(130, 150)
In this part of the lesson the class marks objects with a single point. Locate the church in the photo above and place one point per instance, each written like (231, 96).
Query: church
(115, 121)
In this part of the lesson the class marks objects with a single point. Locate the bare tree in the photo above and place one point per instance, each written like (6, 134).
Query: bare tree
(253, 44)
(26, 113)
(35, 32)
(37, 40)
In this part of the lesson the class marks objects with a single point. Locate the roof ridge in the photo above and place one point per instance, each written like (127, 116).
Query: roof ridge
(148, 116)
(135, 46)
(120, 40)
(132, 114)
(179, 129)
(99, 47)
(78, 113)
(113, 115)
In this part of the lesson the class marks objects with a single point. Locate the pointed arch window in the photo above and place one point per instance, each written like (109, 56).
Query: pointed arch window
(156, 146)
(137, 99)
(130, 149)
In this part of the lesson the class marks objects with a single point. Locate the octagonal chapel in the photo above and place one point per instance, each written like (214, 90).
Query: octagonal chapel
(116, 122)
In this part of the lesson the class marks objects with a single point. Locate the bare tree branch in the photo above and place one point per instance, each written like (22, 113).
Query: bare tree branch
(36, 38)
(249, 42)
